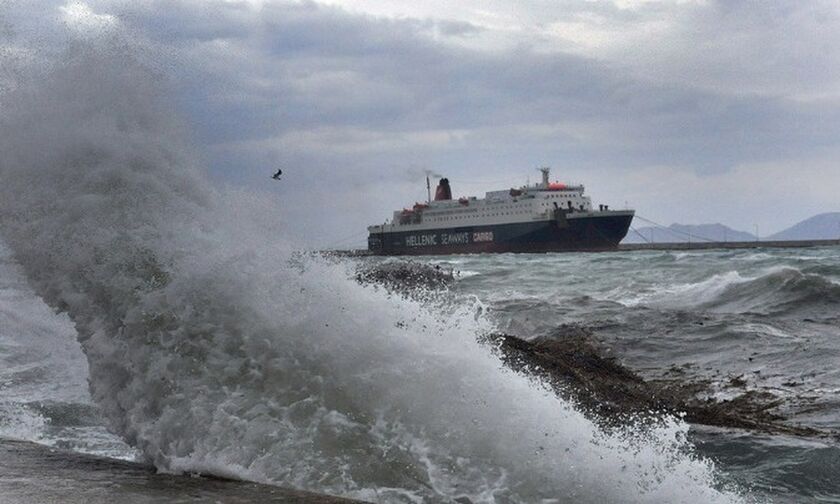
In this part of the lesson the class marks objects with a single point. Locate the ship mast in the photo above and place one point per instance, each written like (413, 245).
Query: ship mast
(428, 190)
(545, 170)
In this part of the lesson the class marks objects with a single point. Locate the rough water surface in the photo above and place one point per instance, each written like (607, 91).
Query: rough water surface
(32, 474)
(745, 343)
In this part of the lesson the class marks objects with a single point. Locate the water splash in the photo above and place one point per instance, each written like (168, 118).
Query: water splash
(213, 348)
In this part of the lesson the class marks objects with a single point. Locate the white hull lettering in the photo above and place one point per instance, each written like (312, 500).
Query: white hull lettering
(484, 236)
(455, 239)
(420, 240)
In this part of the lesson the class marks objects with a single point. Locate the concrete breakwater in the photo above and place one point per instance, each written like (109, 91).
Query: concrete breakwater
(703, 245)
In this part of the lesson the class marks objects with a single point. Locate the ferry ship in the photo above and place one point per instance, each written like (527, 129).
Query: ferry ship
(543, 217)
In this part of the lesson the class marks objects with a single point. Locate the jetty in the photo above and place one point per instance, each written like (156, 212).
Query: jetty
(713, 245)
(699, 245)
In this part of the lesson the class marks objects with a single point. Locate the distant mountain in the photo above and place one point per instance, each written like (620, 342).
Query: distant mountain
(819, 227)
(684, 233)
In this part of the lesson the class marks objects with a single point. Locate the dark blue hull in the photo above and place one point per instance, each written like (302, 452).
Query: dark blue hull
(597, 232)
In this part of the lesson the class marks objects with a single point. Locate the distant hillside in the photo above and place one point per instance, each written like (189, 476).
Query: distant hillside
(819, 227)
(682, 233)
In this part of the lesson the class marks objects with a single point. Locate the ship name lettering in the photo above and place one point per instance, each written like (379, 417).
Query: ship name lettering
(420, 240)
(483, 236)
(454, 238)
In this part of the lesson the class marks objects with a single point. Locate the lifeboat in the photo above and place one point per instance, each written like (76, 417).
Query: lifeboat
(556, 186)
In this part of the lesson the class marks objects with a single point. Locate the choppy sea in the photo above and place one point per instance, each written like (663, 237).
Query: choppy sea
(767, 318)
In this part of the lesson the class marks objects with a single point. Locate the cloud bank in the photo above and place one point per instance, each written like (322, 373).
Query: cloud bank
(691, 111)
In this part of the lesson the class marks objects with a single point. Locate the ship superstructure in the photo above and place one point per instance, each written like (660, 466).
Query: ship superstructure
(543, 217)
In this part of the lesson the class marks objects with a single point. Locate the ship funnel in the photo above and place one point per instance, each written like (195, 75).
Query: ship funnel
(545, 171)
(443, 191)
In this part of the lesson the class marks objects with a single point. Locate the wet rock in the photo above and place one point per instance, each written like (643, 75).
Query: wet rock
(738, 381)
(405, 275)
(571, 361)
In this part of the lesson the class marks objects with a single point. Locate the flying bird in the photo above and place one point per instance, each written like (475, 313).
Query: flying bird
(276, 176)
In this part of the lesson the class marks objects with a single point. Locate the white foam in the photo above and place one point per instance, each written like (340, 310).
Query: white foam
(680, 295)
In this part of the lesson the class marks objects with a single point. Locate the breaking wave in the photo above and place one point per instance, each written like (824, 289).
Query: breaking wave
(779, 290)
(212, 348)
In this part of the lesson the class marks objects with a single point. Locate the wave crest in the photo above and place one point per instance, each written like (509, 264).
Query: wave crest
(781, 290)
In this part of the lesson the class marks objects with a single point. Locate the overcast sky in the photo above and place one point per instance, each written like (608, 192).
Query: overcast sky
(688, 111)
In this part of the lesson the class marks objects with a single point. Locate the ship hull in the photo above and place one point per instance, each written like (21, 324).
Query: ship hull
(598, 232)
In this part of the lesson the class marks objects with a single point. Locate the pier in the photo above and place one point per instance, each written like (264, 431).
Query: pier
(703, 245)
(714, 245)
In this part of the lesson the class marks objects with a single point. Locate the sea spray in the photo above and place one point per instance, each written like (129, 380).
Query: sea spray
(212, 348)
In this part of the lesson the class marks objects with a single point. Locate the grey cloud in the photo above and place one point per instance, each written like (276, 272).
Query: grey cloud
(770, 48)
(180, 23)
(331, 68)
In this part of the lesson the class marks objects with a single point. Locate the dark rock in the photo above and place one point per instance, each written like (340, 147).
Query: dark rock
(405, 275)
(572, 363)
